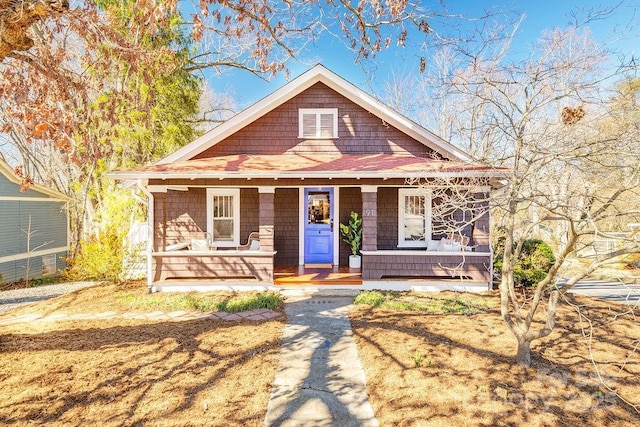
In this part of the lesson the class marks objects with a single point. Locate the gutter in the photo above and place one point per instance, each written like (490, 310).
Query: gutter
(322, 175)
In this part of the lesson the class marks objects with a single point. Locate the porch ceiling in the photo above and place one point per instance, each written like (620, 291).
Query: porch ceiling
(311, 165)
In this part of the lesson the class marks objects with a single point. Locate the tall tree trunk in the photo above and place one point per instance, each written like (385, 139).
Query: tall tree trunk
(523, 356)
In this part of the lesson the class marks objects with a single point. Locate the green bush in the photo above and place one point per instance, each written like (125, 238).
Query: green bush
(98, 259)
(535, 261)
(101, 256)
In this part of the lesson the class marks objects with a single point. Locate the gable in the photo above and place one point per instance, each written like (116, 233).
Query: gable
(359, 131)
(289, 92)
(10, 186)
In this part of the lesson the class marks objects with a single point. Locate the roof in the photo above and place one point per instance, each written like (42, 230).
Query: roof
(317, 74)
(311, 166)
(8, 172)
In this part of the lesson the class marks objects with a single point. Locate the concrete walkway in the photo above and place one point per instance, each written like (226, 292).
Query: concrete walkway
(320, 380)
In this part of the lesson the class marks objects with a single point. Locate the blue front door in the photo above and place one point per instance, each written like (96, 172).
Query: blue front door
(318, 229)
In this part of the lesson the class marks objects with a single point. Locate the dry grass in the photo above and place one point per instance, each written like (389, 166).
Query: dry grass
(122, 372)
(422, 369)
(466, 376)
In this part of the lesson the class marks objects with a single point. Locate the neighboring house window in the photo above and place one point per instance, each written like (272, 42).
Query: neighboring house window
(223, 216)
(49, 264)
(414, 217)
(318, 123)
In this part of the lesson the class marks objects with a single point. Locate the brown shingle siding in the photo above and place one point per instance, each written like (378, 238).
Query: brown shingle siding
(387, 218)
(249, 221)
(286, 239)
(376, 267)
(186, 213)
(359, 131)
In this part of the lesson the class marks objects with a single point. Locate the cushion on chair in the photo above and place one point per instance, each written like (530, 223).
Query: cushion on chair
(432, 245)
(447, 245)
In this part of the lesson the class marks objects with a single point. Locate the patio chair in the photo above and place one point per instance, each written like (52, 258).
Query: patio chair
(253, 242)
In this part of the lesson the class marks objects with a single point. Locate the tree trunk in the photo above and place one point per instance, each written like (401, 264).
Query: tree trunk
(523, 356)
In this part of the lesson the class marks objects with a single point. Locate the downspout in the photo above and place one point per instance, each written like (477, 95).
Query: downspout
(150, 234)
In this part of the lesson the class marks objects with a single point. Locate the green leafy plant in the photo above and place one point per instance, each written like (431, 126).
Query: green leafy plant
(418, 359)
(352, 233)
(99, 258)
(533, 264)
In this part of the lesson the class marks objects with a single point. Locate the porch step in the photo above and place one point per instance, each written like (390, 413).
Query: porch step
(315, 276)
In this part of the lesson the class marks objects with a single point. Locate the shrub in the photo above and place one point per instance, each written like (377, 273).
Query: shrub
(535, 261)
(101, 256)
(98, 258)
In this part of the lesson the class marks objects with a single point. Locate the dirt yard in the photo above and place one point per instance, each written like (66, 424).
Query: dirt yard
(455, 370)
(422, 370)
(125, 373)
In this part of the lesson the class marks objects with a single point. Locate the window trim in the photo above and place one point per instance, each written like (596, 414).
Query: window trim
(318, 112)
(402, 193)
(235, 193)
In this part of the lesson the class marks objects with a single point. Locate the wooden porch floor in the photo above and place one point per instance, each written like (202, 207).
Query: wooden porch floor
(301, 275)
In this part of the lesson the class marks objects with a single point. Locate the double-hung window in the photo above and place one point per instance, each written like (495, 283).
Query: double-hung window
(414, 218)
(318, 123)
(223, 216)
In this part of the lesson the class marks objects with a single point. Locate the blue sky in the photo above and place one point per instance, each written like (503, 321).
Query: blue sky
(619, 28)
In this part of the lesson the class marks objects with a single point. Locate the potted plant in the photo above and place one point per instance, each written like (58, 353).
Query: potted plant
(352, 235)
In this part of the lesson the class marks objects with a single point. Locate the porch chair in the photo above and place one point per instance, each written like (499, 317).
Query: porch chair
(253, 242)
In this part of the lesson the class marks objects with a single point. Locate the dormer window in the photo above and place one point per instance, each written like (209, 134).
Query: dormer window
(318, 123)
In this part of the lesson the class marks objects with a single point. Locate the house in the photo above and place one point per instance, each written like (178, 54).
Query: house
(290, 168)
(40, 211)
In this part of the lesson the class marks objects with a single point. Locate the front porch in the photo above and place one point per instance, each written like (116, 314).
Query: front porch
(314, 280)
(297, 226)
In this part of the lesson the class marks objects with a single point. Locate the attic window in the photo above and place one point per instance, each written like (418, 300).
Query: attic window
(318, 123)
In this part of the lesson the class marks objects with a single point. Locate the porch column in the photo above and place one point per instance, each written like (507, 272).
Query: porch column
(481, 237)
(266, 198)
(369, 217)
(159, 221)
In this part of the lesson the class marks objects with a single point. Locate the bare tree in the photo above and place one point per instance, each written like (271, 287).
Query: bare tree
(564, 121)
(29, 234)
(568, 171)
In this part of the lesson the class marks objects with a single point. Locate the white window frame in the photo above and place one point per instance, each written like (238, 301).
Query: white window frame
(318, 112)
(235, 193)
(402, 193)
